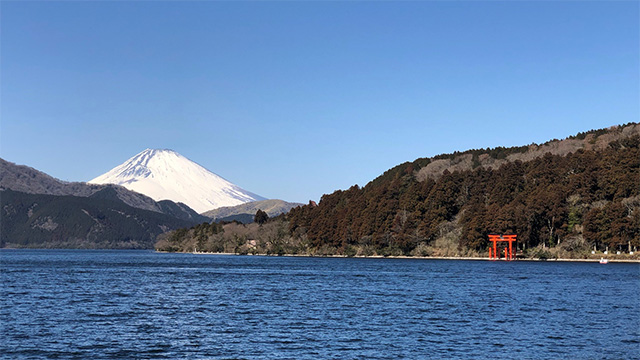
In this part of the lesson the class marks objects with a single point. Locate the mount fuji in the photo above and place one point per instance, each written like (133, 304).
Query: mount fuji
(167, 175)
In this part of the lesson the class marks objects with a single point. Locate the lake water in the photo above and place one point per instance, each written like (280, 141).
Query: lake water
(141, 304)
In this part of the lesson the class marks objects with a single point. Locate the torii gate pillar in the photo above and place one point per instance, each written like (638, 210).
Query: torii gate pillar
(507, 255)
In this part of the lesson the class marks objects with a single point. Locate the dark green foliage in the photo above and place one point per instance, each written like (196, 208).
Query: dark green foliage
(553, 203)
(270, 238)
(595, 133)
(396, 212)
(181, 211)
(107, 193)
(240, 218)
(48, 221)
(261, 217)
(406, 168)
(495, 153)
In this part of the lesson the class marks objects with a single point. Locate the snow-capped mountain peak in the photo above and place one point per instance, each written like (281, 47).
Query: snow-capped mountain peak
(163, 174)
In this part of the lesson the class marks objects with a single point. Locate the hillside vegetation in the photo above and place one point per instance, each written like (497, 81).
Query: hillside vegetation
(94, 222)
(244, 212)
(563, 198)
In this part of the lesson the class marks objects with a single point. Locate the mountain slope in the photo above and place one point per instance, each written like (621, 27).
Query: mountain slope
(95, 222)
(246, 211)
(577, 194)
(31, 181)
(167, 175)
(433, 168)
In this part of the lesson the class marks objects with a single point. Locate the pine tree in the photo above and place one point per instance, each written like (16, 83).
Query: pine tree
(261, 217)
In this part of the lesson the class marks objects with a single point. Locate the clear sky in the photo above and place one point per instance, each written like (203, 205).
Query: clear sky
(293, 100)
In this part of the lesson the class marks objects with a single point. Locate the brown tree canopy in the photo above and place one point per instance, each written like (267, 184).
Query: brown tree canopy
(591, 192)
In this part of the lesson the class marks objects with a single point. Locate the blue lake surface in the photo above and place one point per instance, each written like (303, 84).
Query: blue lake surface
(140, 304)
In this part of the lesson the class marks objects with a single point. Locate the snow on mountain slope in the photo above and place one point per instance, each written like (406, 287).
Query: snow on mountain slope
(167, 175)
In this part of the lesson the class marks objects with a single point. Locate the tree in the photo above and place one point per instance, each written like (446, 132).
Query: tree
(261, 217)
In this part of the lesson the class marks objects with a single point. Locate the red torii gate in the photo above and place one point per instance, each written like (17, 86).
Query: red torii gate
(507, 255)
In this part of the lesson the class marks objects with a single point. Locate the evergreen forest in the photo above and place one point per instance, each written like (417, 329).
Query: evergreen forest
(581, 195)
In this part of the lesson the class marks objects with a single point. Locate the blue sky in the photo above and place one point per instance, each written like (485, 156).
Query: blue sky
(293, 100)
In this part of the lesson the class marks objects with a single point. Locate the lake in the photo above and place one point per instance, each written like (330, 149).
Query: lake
(76, 304)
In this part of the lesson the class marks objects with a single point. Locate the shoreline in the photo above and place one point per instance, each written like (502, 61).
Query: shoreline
(414, 257)
(467, 258)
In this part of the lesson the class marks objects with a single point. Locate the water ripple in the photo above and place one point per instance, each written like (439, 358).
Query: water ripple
(143, 305)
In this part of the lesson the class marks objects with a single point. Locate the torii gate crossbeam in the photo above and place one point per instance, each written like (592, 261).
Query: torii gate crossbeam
(495, 239)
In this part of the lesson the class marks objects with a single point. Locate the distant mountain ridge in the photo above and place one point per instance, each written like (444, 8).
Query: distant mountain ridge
(28, 180)
(99, 221)
(163, 174)
(245, 212)
(40, 211)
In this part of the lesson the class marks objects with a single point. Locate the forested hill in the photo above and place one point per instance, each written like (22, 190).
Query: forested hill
(576, 193)
(99, 221)
(39, 211)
